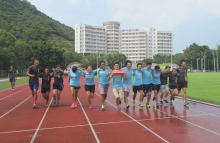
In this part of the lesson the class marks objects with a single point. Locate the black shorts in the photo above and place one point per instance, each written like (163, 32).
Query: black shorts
(44, 90)
(137, 88)
(147, 88)
(90, 88)
(58, 87)
(156, 87)
(75, 87)
(182, 85)
(172, 86)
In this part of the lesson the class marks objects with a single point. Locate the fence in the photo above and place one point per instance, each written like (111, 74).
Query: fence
(4, 73)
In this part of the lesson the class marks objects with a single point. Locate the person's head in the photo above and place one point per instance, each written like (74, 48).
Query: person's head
(183, 63)
(89, 69)
(174, 71)
(148, 65)
(46, 70)
(167, 69)
(11, 67)
(116, 66)
(157, 68)
(57, 69)
(36, 62)
(74, 69)
(139, 66)
(102, 64)
(128, 64)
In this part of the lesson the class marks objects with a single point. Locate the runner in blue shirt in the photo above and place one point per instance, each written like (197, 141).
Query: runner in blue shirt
(156, 83)
(90, 84)
(126, 84)
(137, 85)
(147, 82)
(103, 73)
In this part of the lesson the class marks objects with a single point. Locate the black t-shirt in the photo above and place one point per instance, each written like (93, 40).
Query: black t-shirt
(58, 77)
(46, 79)
(172, 79)
(34, 71)
(163, 78)
(12, 73)
(182, 74)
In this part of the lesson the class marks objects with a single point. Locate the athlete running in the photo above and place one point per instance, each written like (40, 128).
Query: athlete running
(137, 85)
(117, 76)
(12, 77)
(89, 84)
(182, 80)
(126, 84)
(156, 83)
(103, 73)
(147, 82)
(164, 88)
(33, 72)
(173, 85)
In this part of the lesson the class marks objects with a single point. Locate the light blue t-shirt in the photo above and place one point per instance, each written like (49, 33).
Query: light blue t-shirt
(128, 75)
(156, 77)
(137, 78)
(103, 76)
(75, 78)
(90, 77)
(117, 80)
(147, 75)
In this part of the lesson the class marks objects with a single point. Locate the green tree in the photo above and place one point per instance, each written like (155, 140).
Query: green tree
(147, 60)
(159, 58)
(113, 57)
(72, 57)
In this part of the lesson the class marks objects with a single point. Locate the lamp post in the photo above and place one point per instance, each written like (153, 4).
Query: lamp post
(171, 56)
(204, 61)
(191, 66)
(201, 64)
(217, 56)
(214, 60)
(197, 64)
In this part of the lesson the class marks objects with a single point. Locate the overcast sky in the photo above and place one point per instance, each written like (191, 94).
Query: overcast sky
(190, 20)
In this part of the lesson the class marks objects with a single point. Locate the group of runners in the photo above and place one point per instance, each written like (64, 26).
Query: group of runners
(146, 80)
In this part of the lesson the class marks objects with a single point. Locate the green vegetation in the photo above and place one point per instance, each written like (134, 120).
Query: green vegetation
(6, 84)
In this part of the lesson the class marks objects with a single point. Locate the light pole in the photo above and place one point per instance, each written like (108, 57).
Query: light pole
(96, 55)
(201, 64)
(217, 56)
(197, 64)
(214, 60)
(171, 56)
(191, 66)
(204, 61)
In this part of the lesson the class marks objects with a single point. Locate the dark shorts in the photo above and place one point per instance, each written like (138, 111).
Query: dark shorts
(12, 79)
(147, 88)
(45, 90)
(90, 88)
(182, 85)
(156, 87)
(34, 85)
(172, 86)
(137, 88)
(58, 87)
(76, 87)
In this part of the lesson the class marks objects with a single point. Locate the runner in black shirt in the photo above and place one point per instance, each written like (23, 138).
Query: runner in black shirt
(182, 80)
(164, 86)
(12, 77)
(45, 87)
(33, 72)
(57, 85)
(173, 85)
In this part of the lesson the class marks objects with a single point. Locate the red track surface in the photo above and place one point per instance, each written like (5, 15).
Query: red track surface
(20, 123)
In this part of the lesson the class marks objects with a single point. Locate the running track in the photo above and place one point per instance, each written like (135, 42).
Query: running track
(196, 123)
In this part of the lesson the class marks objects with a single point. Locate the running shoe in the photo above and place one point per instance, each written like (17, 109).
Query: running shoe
(161, 102)
(148, 105)
(72, 106)
(54, 104)
(127, 107)
(141, 105)
(58, 104)
(119, 108)
(90, 107)
(165, 101)
(103, 107)
(133, 103)
(185, 103)
(46, 105)
(171, 103)
(153, 98)
(173, 98)
(34, 106)
(13, 89)
(157, 104)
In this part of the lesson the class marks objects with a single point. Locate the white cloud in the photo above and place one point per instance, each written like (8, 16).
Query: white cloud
(74, 1)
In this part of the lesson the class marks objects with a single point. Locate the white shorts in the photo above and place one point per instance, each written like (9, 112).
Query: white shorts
(118, 93)
(103, 88)
(164, 88)
(126, 87)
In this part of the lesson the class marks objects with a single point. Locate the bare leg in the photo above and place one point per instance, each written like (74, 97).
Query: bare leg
(184, 94)
(47, 97)
(141, 96)
(35, 96)
(126, 97)
(54, 95)
(148, 97)
(155, 95)
(58, 96)
(88, 94)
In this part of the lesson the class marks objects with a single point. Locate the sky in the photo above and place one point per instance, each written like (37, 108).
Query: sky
(189, 20)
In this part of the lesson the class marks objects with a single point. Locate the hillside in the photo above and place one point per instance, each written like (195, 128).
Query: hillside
(25, 22)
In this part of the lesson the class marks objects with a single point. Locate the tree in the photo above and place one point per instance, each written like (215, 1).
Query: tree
(72, 57)
(147, 60)
(159, 58)
(91, 60)
(113, 57)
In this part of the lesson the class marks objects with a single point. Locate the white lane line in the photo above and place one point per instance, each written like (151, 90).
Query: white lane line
(35, 134)
(14, 107)
(137, 122)
(96, 124)
(12, 94)
(185, 120)
(93, 131)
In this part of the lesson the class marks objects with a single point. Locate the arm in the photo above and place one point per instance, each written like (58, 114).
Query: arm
(109, 77)
(28, 73)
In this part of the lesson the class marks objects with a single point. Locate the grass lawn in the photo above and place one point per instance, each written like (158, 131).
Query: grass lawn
(6, 84)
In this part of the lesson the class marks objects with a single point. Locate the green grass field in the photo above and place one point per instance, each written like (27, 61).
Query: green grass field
(6, 84)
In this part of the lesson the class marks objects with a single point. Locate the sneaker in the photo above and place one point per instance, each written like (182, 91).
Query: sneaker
(127, 107)
(153, 98)
(46, 105)
(119, 108)
(173, 98)
(58, 104)
(185, 103)
(103, 107)
(161, 102)
(34, 106)
(13, 89)
(141, 105)
(165, 101)
(148, 105)
(54, 104)
(157, 104)
(171, 103)
(72, 106)
(90, 107)
(120, 102)
(133, 103)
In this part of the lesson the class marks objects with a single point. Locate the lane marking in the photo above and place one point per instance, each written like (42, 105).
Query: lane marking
(13, 94)
(42, 119)
(93, 131)
(136, 121)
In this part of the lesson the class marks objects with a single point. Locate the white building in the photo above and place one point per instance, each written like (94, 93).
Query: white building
(136, 44)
